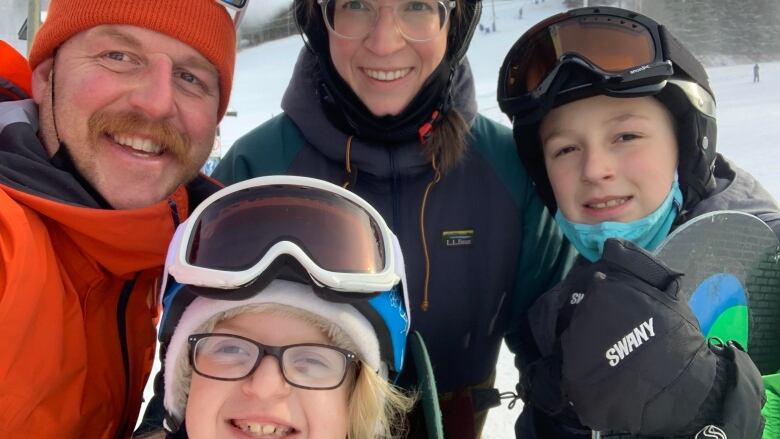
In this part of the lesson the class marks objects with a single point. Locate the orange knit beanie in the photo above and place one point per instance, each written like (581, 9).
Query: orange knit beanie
(204, 25)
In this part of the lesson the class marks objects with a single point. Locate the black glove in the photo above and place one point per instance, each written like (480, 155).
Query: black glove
(634, 359)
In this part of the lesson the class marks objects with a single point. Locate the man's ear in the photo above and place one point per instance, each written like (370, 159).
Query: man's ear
(40, 79)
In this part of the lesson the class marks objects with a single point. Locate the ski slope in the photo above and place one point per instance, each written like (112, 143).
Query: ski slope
(748, 118)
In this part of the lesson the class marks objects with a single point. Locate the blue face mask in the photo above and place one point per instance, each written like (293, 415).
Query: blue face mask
(647, 232)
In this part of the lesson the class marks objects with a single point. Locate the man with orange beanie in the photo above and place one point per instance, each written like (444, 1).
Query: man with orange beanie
(96, 171)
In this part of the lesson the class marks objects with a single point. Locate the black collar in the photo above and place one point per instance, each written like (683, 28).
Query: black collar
(347, 112)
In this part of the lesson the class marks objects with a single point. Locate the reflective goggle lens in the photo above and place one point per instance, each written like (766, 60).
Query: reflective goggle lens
(236, 231)
(417, 20)
(612, 44)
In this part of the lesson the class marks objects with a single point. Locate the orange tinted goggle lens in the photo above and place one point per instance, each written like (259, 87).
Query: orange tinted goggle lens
(611, 43)
(235, 232)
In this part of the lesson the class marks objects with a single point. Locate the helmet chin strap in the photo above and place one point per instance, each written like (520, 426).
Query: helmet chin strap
(62, 159)
(52, 77)
(62, 150)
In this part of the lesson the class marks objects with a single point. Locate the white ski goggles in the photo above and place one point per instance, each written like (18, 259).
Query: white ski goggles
(236, 9)
(241, 235)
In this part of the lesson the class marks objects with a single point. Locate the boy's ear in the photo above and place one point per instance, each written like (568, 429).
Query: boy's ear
(40, 79)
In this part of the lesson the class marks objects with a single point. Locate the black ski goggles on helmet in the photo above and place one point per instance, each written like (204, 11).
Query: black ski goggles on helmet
(243, 236)
(236, 9)
(613, 51)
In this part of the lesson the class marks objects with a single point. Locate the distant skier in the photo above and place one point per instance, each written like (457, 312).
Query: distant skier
(612, 347)
(755, 72)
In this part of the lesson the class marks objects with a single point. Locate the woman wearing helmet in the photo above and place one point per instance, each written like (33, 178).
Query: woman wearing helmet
(382, 102)
(273, 325)
(615, 120)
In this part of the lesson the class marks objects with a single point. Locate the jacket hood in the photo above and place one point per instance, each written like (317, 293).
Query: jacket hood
(25, 164)
(301, 102)
(121, 241)
(735, 189)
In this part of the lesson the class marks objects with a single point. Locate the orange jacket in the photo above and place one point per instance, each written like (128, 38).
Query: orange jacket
(15, 74)
(78, 299)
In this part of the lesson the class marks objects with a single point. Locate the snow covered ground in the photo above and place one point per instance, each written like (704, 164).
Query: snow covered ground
(748, 117)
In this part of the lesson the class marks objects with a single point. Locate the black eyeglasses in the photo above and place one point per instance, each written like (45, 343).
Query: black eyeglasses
(229, 357)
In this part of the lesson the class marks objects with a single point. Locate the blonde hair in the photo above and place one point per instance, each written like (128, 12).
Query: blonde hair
(376, 408)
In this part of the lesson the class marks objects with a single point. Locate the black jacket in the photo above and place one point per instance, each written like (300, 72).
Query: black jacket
(546, 415)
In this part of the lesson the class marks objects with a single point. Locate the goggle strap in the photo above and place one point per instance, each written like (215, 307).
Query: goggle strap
(284, 267)
(330, 295)
(550, 96)
(382, 333)
(173, 309)
(683, 59)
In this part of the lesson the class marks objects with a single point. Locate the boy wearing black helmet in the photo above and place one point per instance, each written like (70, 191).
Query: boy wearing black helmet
(615, 121)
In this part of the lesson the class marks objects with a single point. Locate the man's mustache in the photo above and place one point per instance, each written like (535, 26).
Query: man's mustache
(162, 133)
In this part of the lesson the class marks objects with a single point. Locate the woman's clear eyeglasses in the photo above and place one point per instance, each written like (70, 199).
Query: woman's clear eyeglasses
(229, 357)
(416, 20)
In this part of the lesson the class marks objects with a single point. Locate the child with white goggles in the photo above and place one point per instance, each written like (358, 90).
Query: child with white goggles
(333, 347)
(341, 242)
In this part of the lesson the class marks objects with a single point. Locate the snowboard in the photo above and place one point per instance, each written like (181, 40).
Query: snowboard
(731, 266)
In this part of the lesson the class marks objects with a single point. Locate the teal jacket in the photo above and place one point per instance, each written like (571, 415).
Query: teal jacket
(492, 247)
